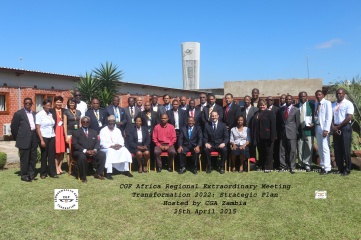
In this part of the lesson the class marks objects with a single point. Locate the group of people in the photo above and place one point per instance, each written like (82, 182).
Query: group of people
(111, 137)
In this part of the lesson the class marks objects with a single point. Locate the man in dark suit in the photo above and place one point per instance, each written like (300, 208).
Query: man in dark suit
(276, 145)
(183, 103)
(203, 101)
(85, 144)
(190, 140)
(212, 107)
(248, 112)
(23, 130)
(156, 107)
(167, 104)
(149, 118)
(118, 112)
(177, 117)
(130, 112)
(215, 138)
(289, 122)
(231, 112)
(98, 117)
(306, 131)
(195, 112)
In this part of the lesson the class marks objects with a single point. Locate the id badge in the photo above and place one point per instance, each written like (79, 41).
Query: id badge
(100, 124)
(76, 126)
(133, 120)
(60, 123)
(149, 123)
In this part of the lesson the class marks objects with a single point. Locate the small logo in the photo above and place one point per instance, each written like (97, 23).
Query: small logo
(320, 194)
(66, 199)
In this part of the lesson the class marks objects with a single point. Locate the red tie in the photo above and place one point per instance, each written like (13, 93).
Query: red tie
(192, 113)
(227, 109)
(286, 113)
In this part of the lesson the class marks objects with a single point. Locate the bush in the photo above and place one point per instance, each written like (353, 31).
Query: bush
(3, 158)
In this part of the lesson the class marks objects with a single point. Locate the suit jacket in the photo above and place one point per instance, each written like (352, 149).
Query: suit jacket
(250, 115)
(170, 107)
(289, 126)
(217, 109)
(154, 121)
(123, 119)
(214, 138)
(197, 116)
(263, 126)
(310, 111)
(194, 140)
(161, 110)
(132, 139)
(233, 113)
(186, 107)
(94, 121)
(181, 117)
(129, 118)
(53, 112)
(80, 141)
(20, 129)
(324, 114)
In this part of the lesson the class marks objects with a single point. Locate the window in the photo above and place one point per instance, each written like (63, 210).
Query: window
(4, 103)
(39, 98)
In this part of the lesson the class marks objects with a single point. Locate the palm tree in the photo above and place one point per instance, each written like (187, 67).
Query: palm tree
(109, 76)
(89, 87)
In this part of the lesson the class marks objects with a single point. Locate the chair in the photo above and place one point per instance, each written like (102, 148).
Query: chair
(163, 154)
(189, 154)
(248, 163)
(218, 155)
(73, 161)
(130, 164)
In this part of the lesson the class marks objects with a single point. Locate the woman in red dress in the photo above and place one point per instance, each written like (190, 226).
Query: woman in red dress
(59, 133)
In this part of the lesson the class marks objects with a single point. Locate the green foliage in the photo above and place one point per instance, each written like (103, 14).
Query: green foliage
(101, 82)
(355, 144)
(3, 158)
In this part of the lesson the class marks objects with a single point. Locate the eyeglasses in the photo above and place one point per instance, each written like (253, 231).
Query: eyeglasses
(28, 103)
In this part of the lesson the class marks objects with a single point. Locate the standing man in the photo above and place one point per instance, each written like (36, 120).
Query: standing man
(255, 97)
(212, 107)
(203, 101)
(190, 140)
(167, 104)
(118, 112)
(283, 101)
(85, 144)
(130, 112)
(156, 107)
(149, 117)
(177, 117)
(290, 121)
(306, 131)
(323, 120)
(195, 112)
(164, 138)
(140, 104)
(23, 130)
(215, 139)
(276, 144)
(231, 112)
(248, 112)
(342, 110)
(98, 117)
(183, 103)
(80, 105)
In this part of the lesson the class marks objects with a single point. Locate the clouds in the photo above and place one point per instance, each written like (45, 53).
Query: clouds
(329, 44)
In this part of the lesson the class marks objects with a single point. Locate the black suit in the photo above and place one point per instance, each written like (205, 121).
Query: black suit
(153, 122)
(160, 109)
(80, 142)
(249, 118)
(188, 144)
(169, 105)
(123, 119)
(133, 139)
(197, 116)
(130, 119)
(94, 124)
(215, 138)
(276, 143)
(216, 108)
(182, 118)
(230, 118)
(26, 141)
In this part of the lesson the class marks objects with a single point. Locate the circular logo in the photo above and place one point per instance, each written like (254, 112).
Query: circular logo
(66, 199)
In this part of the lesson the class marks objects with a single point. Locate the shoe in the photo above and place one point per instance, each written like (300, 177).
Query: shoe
(170, 170)
(109, 176)
(209, 170)
(84, 180)
(145, 170)
(283, 170)
(221, 170)
(195, 171)
(337, 172)
(325, 172)
(267, 171)
(182, 170)
(345, 174)
(55, 176)
(128, 174)
(140, 170)
(100, 177)
(292, 172)
(43, 177)
(159, 169)
(27, 179)
(308, 169)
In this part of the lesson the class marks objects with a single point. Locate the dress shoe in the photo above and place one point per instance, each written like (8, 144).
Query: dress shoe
(209, 170)
(182, 170)
(170, 170)
(267, 171)
(221, 170)
(325, 172)
(43, 177)
(34, 179)
(195, 171)
(128, 174)
(109, 176)
(55, 176)
(345, 173)
(27, 179)
(98, 176)
(84, 180)
(159, 169)
(292, 172)
(308, 169)
(283, 170)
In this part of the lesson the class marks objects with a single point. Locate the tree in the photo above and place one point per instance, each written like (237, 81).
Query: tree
(109, 76)
(88, 86)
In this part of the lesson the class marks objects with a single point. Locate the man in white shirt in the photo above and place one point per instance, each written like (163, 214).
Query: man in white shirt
(80, 105)
(323, 120)
(342, 110)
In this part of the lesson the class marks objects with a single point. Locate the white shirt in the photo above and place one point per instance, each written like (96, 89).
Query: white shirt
(240, 138)
(340, 110)
(46, 123)
(176, 120)
(31, 119)
(140, 135)
(82, 107)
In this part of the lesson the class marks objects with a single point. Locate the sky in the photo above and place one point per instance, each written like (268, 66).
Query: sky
(239, 39)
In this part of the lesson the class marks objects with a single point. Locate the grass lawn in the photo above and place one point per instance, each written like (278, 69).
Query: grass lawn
(107, 211)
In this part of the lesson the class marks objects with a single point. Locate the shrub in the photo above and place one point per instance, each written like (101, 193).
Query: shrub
(3, 158)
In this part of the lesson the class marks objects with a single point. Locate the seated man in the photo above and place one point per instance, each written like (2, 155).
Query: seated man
(112, 144)
(190, 140)
(85, 144)
(215, 138)
(164, 138)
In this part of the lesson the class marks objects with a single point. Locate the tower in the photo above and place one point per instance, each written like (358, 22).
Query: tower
(190, 64)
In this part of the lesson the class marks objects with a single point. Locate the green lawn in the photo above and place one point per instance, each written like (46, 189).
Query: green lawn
(108, 212)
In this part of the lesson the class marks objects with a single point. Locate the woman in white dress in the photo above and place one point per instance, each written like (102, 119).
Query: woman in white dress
(240, 138)
(117, 155)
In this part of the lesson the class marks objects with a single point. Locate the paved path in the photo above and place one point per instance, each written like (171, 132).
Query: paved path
(9, 148)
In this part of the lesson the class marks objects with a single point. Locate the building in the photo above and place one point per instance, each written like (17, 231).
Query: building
(190, 64)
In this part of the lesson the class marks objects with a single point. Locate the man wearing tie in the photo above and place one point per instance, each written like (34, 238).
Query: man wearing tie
(177, 117)
(167, 104)
(85, 144)
(98, 117)
(195, 112)
(190, 140)
(323, 120)
(215, 138)
(203, 101)
(118, 112)
(183, 103)
(290, 121)
(130, 112)
(231, 112)
(156, 107)
(248, 112)
(212, 107)
(276, 144)
(24, 132)
(306, 131)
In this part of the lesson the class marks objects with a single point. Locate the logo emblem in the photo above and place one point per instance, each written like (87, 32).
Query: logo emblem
(66, 199)
(320, 194)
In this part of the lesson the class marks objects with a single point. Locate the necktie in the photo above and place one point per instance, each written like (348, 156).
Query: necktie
(131, 112)
(286, 113)
(192, 113)
(214, 127)
(201, 107)
(86, 132)
(189, 132)
(210, 111)
(318, 109)
(227, 110)
(96, 114)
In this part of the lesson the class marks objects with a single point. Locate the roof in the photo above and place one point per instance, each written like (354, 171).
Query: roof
(22, 71)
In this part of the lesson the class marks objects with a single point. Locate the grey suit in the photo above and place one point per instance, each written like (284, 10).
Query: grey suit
(288, 135)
